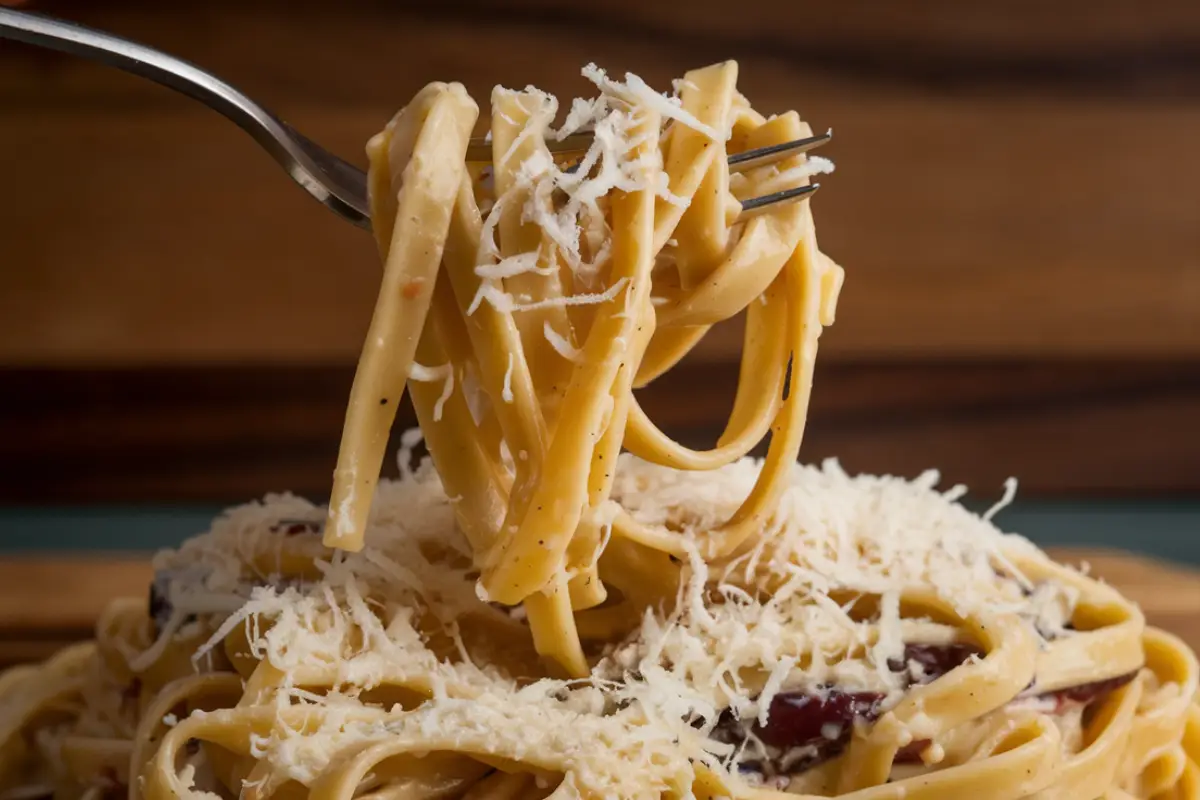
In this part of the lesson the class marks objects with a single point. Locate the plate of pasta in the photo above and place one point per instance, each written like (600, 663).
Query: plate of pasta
(561, 601)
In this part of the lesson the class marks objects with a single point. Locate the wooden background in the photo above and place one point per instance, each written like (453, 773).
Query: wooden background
(1017, 204)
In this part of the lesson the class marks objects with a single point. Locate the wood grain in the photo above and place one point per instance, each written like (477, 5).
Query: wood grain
(1010, 184)
(1015, 204)
(1023, 45)
(37, 616)
(226, 434)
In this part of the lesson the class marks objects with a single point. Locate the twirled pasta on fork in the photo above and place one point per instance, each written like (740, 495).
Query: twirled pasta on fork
(562, 601)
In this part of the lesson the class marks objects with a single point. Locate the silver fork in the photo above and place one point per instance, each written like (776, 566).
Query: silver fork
(337, 184)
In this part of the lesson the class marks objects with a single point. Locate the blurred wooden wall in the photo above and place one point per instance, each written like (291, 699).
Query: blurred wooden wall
(1016, 202)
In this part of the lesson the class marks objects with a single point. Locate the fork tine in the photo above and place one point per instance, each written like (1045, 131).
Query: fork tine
(481, 150)
(776, 152)
(761, 205)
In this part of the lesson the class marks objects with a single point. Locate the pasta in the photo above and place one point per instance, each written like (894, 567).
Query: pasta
(563, 602)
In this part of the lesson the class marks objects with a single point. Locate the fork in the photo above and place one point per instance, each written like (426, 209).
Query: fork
(337, 184)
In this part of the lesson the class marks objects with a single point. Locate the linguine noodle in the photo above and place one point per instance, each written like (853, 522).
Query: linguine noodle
(564, 602)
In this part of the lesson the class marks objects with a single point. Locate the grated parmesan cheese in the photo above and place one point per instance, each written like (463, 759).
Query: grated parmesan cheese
(575, 230)
(507, 393)
(560, 343)
(444, 373)
(635, 91)
(737, 632)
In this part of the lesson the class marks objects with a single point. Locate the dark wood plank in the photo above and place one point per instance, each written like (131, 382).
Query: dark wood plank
(970, 30)
(1072, 428)
(1102, 46)
(1003, 217)
(185, 242)
(226, 434)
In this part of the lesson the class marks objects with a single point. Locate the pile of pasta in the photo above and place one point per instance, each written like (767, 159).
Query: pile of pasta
(561, 601)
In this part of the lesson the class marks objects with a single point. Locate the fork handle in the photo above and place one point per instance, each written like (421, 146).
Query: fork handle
(175, 73)
(275, 136)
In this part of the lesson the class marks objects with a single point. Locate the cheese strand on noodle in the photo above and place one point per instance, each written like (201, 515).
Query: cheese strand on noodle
(566, 603)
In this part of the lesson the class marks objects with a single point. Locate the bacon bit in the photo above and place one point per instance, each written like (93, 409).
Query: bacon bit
(935, 660)
(413, 288)
(806, 720)
(292, 527)
(1087, 692)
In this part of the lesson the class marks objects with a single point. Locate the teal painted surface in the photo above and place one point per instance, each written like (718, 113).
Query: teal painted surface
(1166, 530)
(1169, 531)
(100, 528)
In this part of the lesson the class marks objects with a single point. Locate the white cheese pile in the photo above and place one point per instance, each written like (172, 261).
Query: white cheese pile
(576, 227)
(404, 612)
